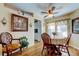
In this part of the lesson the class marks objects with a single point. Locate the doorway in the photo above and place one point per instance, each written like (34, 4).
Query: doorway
(37, 30)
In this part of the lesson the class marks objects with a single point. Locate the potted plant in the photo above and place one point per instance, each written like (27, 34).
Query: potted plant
(24, 42)
(54, 33)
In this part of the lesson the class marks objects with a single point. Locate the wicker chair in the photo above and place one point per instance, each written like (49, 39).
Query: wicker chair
(64, 47)
(50, 48)
(7, 46)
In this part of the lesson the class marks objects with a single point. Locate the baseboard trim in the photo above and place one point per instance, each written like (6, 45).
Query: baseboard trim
(74, 47)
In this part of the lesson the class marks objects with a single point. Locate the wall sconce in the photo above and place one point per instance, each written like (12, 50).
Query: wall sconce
(4, 21)
(30, 24)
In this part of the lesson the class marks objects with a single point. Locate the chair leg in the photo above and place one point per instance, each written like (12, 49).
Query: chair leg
(68, 51)
(10, 54)
(47, 52)
(2, 53)
(21, 49)
(7, 53)
(42, 51)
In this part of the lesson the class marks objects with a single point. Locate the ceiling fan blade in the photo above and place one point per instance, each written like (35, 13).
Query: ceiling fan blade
(57, 8)
(55, 12)
(53, 8)
(44, 12)
(45, 16)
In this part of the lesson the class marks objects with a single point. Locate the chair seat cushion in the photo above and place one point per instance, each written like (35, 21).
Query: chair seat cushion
(11, 47)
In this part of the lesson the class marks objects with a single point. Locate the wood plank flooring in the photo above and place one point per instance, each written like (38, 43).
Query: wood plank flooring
(36, 51)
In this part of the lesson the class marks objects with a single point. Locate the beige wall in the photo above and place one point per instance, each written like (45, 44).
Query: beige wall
(75, 37)
(5, 12)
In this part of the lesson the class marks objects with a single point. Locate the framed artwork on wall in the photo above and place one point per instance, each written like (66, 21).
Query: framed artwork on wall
(75, 25)
(19, 23)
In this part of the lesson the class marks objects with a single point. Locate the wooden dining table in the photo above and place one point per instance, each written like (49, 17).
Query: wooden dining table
(58, 41)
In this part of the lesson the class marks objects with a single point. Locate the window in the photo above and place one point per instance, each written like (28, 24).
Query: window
(51, 28)
(62, 29)
(59, 27)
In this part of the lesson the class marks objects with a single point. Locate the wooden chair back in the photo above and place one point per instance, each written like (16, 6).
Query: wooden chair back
(46, 38)
(68, 39)
(6, 38)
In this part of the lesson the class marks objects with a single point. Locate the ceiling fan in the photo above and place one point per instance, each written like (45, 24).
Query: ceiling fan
(49, 12)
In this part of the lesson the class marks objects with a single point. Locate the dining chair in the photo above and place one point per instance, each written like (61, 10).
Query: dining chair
(7, 46)
(48, 46)
(64, 47)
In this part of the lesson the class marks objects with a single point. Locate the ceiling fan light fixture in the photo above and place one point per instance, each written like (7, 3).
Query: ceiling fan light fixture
(49, 11)
(50, 15)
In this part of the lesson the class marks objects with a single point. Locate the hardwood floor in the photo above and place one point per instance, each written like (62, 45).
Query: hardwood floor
(36, 51)
(32, 51)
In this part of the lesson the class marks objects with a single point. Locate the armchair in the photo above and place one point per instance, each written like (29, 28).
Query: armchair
(64, 47)
(7, 46)
(51, 49)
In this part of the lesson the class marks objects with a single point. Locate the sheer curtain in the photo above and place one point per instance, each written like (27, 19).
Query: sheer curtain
(51, 28)
(60, 28)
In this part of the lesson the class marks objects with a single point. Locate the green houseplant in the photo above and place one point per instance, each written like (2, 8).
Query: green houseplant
(54, 33)
(24, 42)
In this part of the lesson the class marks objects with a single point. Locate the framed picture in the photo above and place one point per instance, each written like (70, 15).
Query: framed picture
(75, 25)
(19, 23)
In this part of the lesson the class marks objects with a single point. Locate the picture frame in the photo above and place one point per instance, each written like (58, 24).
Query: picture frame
(75, 25)
(19, 23)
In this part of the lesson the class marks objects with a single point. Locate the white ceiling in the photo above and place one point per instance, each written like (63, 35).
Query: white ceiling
(36, 8)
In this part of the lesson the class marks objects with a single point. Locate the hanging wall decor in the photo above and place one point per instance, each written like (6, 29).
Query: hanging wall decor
(19, 23)
(4, 21)
(75, 25)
